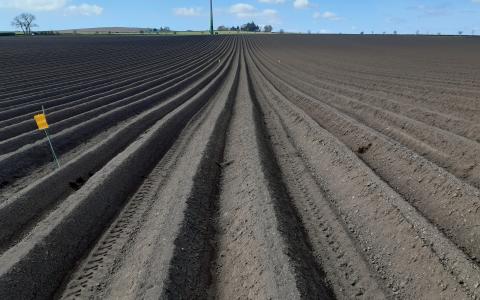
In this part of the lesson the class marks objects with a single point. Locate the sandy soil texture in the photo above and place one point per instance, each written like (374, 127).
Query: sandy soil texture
(241, 167)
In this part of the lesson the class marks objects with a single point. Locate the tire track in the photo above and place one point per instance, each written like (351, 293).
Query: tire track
(185, 210)
(251, 173)
(253, 261)
(18, 212)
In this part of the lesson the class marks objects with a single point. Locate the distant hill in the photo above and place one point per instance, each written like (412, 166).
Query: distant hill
(104, 30)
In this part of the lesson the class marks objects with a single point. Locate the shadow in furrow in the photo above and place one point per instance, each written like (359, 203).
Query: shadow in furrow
(189, 273)
(310, 277)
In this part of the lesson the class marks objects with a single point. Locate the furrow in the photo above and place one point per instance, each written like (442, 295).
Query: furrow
(403, 102)
(14, 115)
(391, 90)
(51, 87)
(18, 213)
(181, 206)
(78, 220)
(385, 160)
(20, 162)
(454, 210)
(346, 267)
(262, 252)
(21, 133)
(443, 148)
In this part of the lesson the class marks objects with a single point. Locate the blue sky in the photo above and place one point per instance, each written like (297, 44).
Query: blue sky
(328, 16)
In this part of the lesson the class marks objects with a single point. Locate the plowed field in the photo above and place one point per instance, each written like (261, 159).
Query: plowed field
(240, 167)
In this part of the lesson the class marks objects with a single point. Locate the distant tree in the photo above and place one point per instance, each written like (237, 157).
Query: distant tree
(395, 32)
(25, 22)
(164, 29)
(267, 28)
(309, 32)
(418, 32)
(460, 32)
(251, 27)
(282, 31)
(362, 33)
(222, 28)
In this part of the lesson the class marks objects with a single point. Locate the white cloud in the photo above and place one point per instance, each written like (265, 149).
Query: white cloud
(34, 5)
(52, 5)
(84, 9)
(187, 11)
(328, 15)
(274, 1)
(300, 4)
(246, 11)
(270, 14)
(243, 10)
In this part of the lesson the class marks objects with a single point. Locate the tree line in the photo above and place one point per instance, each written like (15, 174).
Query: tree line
(250, 27)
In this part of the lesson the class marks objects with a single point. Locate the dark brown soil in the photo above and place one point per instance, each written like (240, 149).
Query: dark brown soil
(245, 167)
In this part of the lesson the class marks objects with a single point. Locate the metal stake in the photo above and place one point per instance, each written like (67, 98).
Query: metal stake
(51, 148)
(50, 142)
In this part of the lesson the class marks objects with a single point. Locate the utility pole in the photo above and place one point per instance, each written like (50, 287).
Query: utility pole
(211, 18)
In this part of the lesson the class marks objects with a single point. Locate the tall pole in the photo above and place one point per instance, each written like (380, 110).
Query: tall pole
(211, 18)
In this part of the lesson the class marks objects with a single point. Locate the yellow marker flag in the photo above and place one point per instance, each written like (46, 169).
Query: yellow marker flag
(41, 121)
